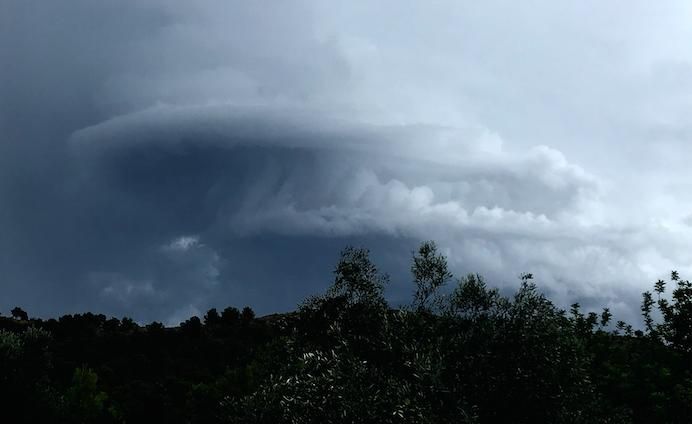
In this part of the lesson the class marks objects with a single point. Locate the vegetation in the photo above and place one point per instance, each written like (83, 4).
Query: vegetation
(465, 354)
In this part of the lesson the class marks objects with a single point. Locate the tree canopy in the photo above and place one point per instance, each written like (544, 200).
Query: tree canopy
(460, 352)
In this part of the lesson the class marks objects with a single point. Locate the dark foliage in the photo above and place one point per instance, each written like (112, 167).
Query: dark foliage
(466, 354)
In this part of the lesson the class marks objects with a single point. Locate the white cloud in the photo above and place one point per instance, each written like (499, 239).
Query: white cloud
(182, 243)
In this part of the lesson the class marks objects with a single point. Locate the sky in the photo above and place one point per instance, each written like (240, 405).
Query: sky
(161, 158)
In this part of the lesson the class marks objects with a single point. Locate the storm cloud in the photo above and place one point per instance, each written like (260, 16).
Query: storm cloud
(161, 158)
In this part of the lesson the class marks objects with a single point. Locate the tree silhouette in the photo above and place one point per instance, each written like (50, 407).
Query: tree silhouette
(19, 313)
(429, 269)
(468, 354)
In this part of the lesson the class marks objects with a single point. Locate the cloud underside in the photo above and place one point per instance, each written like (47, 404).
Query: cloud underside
(245, 173)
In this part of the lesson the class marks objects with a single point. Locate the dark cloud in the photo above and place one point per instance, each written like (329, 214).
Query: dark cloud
(158, 159)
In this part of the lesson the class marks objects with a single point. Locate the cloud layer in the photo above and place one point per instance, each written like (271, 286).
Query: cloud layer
(159, 159)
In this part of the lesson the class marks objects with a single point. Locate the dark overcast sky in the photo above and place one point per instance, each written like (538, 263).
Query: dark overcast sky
(159, 158)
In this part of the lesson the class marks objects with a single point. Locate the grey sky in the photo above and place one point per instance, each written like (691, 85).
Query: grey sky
(158, 158)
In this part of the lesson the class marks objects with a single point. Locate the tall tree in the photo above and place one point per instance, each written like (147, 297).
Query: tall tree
(430, 273)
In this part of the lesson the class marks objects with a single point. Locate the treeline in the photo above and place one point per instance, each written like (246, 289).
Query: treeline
(460, 354)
